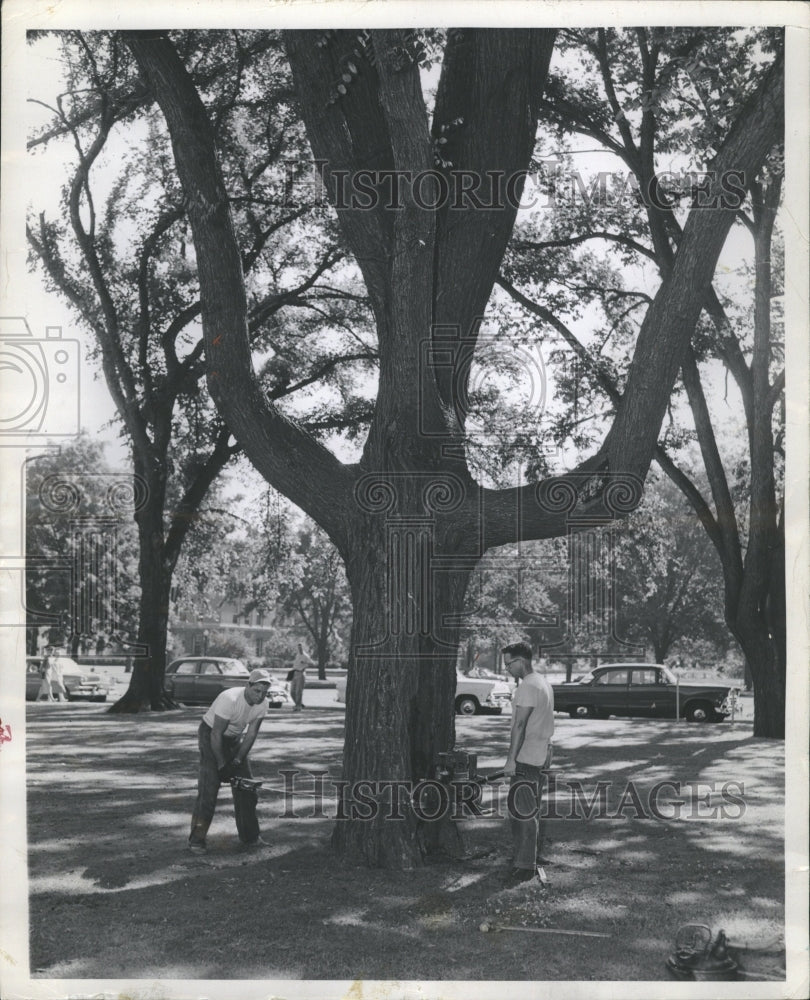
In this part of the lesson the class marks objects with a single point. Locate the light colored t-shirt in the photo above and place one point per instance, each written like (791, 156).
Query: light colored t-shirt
(535, 692)
(302, 661)
(232, 705)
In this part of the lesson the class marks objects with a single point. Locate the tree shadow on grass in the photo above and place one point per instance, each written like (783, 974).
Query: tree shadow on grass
(109, 803)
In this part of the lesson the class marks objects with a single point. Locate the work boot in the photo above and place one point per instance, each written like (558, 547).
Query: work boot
(254, 845)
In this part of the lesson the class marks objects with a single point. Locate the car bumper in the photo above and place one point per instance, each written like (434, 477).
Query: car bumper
(495, 704)
(728, 704)
(88, 691)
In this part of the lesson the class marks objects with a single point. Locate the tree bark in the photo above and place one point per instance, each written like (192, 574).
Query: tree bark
(408, 595)
(145, 691)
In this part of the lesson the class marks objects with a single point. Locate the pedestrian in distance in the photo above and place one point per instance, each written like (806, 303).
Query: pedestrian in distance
(298, 682)
(45, 692)
(530, 752)
(226, 736)
(57, 680)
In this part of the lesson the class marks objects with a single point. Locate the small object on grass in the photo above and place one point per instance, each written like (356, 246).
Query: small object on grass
(484, 927)
(544, 930)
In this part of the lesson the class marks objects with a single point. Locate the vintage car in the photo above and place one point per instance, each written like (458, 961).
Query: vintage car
(197, 680)
(474, 695)
(79, 682)
(643, 689)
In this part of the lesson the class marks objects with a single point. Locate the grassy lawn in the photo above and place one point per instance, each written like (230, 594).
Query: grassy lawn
(114, 895)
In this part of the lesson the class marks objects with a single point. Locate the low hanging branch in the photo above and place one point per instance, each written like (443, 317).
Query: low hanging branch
(279, 448)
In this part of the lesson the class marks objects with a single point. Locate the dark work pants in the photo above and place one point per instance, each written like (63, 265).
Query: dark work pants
(297, 688)
(208, 788)
(524, 819)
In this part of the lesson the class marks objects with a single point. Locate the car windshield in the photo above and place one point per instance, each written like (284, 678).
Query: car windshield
(233, 668)
(668, 676)
(487, 674)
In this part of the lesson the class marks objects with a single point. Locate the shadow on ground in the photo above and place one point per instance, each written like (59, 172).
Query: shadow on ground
(114, 894)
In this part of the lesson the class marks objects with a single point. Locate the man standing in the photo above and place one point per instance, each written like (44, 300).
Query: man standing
(529, 753)
(223, 755)
(300, 663)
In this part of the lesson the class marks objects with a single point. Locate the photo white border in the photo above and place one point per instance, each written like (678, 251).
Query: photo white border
(20, 16)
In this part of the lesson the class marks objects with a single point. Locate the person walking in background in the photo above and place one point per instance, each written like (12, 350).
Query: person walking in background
(45, 692)
(57, 680)
(298, 683)
(529, 754)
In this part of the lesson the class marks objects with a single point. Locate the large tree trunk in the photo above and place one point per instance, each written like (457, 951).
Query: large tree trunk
(408, 591)
(768, 677)
(145, 691)
(760, 612)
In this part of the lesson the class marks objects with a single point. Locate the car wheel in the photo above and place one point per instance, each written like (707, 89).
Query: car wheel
(582, 712)
(466, 705)
(699, 711)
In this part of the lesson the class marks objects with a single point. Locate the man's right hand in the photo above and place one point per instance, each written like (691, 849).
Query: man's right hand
(227, 771)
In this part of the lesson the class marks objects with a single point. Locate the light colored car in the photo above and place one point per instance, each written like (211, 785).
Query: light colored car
(80, 683)
(480, 695)
(474, 695)
(197, 680)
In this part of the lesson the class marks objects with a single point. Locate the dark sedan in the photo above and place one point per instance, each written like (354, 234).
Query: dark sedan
(643, 689)
(197, 680)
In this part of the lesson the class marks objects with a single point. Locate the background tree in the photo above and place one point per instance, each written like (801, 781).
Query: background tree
(81, 546)
(654, 99)
(313, 590)
(121, 256)
(668, 582)
(409, 519)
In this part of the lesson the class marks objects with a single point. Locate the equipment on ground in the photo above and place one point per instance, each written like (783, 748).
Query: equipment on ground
(700, 956)
(245, 798)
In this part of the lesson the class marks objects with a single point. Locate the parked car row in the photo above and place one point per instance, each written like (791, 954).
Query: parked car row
(647, 690)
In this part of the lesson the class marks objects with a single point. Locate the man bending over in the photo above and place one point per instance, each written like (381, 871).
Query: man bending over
(223, 755)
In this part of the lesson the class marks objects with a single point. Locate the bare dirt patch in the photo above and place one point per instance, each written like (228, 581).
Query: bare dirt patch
(114, 894)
